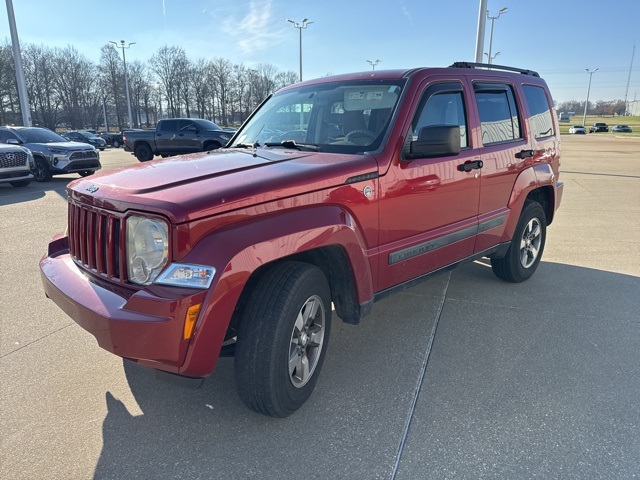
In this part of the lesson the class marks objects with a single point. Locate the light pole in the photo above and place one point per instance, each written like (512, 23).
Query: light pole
(493, 19)
(586, 104)
(126, 82)
(17, 59)
(373, 63)
(491, 59)
(300, 26)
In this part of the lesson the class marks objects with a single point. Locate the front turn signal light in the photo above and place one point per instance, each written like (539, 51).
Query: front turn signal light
(190, 320)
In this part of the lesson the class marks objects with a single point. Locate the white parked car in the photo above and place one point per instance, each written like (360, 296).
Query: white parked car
(577, 129)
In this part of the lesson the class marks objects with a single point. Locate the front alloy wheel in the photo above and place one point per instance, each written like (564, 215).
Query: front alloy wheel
(306, 341)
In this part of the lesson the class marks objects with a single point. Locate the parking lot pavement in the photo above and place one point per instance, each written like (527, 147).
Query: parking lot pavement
(464, 376)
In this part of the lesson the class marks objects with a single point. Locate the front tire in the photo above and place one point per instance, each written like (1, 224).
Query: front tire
(20, 183)
(282, 339)
(527, 245)
(42, 172)
(86, 173)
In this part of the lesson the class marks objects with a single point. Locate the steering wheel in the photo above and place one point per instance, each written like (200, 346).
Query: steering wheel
(360, 134)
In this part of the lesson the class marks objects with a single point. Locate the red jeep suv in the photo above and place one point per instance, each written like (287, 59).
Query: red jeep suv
(340, 190)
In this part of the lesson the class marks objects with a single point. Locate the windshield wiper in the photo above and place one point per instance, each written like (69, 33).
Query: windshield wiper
(246, 145)
(292, 144)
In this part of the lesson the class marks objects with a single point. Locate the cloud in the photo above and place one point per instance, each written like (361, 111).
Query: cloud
(256, 30)
(405, 11)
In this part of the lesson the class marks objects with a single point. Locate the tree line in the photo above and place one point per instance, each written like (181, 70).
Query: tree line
(600, 107)
(67, 90)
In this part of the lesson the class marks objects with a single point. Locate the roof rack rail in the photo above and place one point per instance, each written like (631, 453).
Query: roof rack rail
(493, 67)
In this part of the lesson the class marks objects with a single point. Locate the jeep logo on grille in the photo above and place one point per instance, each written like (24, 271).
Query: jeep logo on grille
(10, 156)
(92, 189)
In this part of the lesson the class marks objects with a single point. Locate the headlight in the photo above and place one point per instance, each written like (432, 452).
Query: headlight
(147, 248)
(58, 150)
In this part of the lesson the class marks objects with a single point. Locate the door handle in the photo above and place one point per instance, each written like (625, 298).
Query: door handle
(470, 165)
(522, 154)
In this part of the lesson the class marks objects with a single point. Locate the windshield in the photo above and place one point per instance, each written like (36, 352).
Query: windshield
(340, 117)
(40, 135)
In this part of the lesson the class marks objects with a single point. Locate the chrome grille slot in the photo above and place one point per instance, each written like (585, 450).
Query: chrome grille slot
(95, 240)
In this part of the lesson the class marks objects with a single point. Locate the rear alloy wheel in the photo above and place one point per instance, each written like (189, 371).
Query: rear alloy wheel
(42, 172)
(527, 245)
(282, 339)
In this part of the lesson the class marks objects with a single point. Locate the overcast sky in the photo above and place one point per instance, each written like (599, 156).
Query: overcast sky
(558, 38)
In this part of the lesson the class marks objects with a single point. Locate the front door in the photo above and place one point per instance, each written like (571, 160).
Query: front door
(429, 206)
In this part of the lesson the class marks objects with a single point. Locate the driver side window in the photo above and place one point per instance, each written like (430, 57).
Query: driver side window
(444, 107)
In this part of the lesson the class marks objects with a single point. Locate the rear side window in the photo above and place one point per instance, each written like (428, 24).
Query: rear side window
(169, 126)
(499, 116)
(541, 119)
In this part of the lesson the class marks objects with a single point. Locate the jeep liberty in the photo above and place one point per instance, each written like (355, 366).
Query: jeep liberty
(336, 191)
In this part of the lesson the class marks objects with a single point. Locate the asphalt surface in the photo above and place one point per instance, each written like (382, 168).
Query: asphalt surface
(464, 376)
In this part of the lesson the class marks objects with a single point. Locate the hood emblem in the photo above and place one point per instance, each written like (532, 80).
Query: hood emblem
(10, 156)
(92, 189)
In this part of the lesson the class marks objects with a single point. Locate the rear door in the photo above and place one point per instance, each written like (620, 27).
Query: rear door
(188, 136)
(504, 154)
(429, 206)
(166, 137)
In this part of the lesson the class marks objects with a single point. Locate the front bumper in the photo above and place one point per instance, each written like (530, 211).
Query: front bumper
(142, 325)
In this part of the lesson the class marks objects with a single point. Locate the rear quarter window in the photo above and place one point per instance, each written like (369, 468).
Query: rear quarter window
(541, 120)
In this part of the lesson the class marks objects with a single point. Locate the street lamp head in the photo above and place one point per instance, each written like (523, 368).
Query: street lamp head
(289, 20)
(502, 10)
(305, 20)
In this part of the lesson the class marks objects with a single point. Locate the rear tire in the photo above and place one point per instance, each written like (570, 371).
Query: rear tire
(115, 144)
(527, 245)
(42, 172)
(20, 183)
(144, 153)
(282, 338)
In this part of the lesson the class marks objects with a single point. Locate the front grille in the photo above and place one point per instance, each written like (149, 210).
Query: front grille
(83, 154)
(13, 159)
(96, 241)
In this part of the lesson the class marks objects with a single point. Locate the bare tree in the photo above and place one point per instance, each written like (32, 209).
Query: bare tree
(112, 72)
(169, 63)
(43, 96)
(74, 77)
(9, 103)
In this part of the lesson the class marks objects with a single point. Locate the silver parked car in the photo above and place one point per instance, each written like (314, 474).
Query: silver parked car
(53, 154)
(16, 164)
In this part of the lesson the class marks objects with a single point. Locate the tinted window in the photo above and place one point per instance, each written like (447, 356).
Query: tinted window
(169, 126)
(40, 135)
(540, 111)
(499, 119)
(445, 108)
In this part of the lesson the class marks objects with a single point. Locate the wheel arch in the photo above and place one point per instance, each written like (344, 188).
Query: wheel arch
(324, 236)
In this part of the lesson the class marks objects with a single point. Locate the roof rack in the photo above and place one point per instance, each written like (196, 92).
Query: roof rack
(493, 67)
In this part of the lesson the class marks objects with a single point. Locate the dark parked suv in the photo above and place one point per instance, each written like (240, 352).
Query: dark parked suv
(52, 154)
(84, 136)
(337, 192)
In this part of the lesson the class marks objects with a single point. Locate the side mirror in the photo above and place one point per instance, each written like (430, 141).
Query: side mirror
(13, 141)
(435, 141)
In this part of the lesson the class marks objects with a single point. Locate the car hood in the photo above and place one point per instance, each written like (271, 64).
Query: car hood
(66, 145)
(193, 186)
